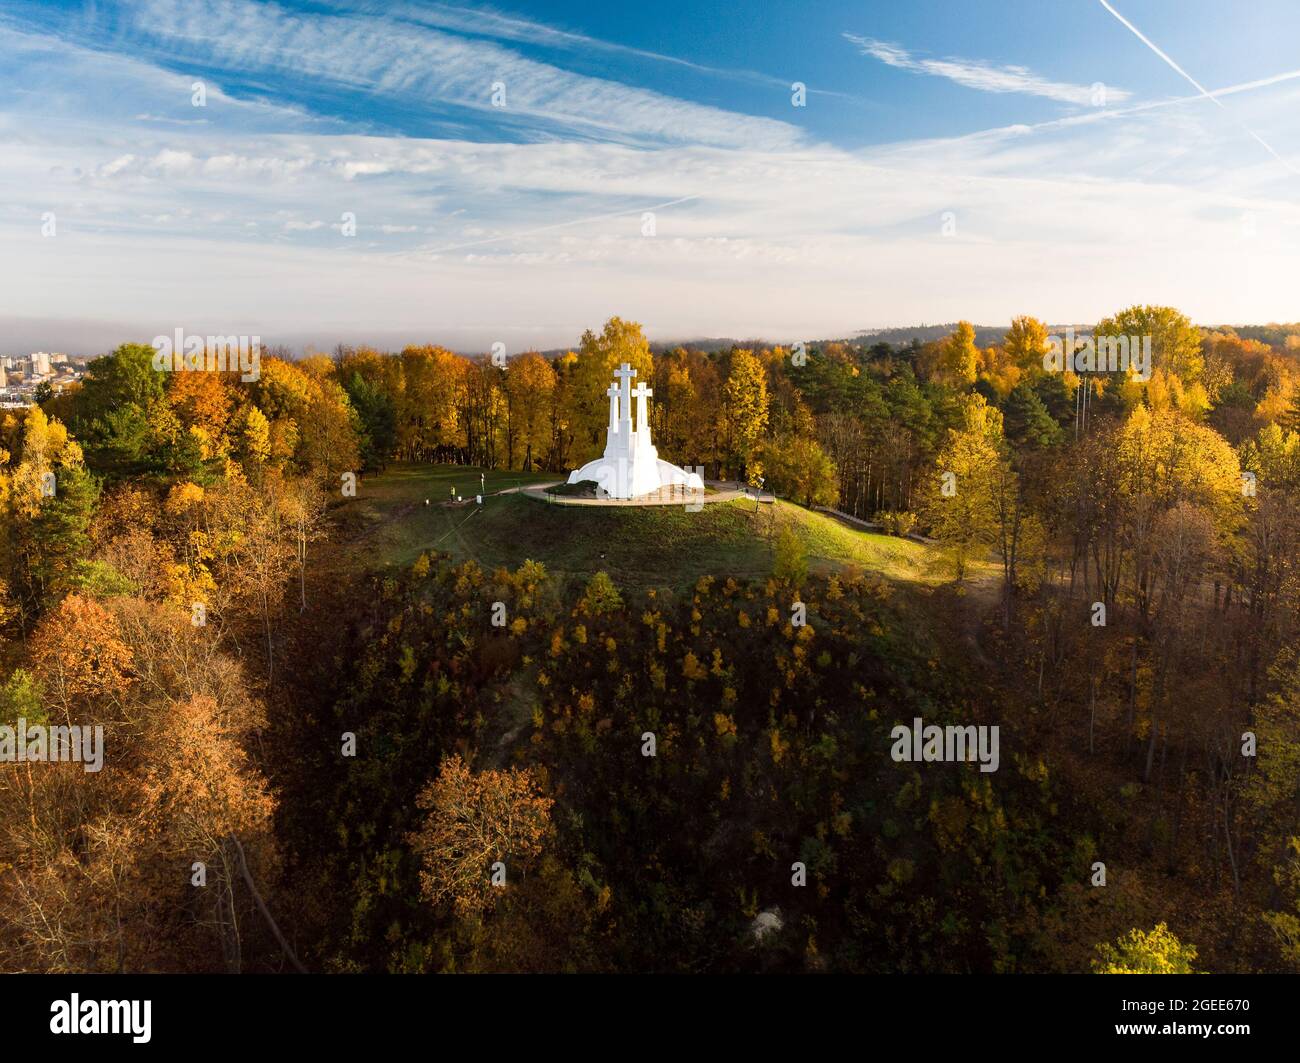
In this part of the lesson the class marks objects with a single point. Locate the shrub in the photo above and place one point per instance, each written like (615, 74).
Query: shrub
(898, 522)
(790, 563)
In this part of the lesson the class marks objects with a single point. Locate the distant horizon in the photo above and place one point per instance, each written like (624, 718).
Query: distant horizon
(300, 345)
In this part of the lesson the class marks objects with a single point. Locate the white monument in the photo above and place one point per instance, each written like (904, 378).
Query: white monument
(630, 466)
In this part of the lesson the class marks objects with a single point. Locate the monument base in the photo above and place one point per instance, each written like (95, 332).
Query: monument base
(630, 479)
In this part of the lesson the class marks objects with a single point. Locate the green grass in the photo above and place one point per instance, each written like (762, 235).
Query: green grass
(405, 482)
(663, 546)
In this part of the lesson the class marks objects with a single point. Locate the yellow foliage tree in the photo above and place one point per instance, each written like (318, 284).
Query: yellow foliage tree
(1146, 952)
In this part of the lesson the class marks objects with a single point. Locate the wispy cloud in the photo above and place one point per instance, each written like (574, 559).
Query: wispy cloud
(532, 232)
(498, 26)
(416, 63)
(986, 77)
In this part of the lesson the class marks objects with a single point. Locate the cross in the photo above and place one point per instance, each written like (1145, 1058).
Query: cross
(625, 373)
(642, 393)
(613, 407)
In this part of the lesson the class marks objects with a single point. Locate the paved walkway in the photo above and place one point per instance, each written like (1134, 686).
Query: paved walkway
(847, 518)
(872, 526)
(527, 487)
(665, 496)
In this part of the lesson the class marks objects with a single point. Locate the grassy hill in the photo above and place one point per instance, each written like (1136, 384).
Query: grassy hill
(663, 546)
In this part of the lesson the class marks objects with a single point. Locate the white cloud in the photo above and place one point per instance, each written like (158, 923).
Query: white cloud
(1066, 223)
(986, 77)
(466, 241)
(499, 26)
(66, 81)
(414, 62)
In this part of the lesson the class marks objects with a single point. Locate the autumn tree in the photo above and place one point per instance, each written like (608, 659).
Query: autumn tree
(476, 820)
(97, 875)
(959, 357)
(789, 558)
(204, 404)
(1026, 343)
(798, 468)
(599, 355)
(1157, 951)
(746, 412)
(600, 596)
(1283, 918)
(687, 411)
(430, 404)
(373, 383)
(47, 498)
(530, 390)
(312, 422)
(259, 533)
(79, 655)
(1175, 341)
(206, 801)
(961, 505)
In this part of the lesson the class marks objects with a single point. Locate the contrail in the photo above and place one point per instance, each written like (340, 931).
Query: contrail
(1249, 86)
(1151, 44)
(1138, 108)
(1152, 105)
(1196, 84)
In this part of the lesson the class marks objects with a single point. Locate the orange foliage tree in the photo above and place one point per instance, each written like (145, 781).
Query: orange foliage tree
(474, 821)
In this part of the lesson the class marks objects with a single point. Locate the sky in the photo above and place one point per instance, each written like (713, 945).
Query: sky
(456, 173)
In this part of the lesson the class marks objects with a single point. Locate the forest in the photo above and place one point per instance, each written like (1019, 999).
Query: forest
(316, 762)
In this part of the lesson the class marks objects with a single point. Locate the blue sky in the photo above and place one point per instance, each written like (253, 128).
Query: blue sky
(953, 159)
